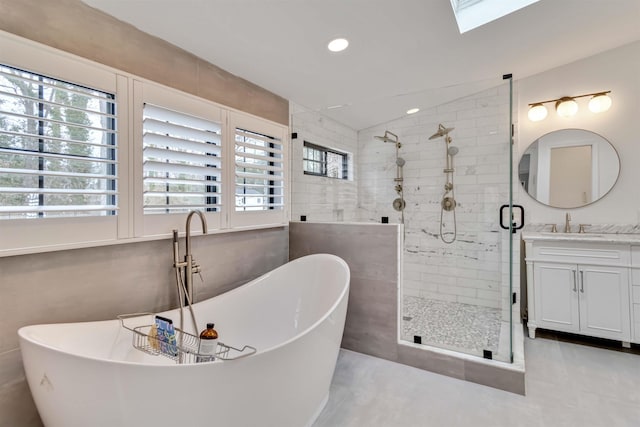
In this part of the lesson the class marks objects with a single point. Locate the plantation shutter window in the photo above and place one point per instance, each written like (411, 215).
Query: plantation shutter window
(259, 172)
(182, 162)
(92, 156)
(58, 148)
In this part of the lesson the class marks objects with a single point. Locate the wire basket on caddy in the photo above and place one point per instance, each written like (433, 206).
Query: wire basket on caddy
(186, 347)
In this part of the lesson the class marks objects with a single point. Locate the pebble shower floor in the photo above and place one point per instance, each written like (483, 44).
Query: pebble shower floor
(452, 325)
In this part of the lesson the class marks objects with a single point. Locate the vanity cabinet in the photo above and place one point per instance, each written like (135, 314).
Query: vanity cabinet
(585, 299)
(579, 287)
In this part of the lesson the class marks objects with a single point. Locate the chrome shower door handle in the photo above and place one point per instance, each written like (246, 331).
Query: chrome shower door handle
(582, 281)
(575, 285)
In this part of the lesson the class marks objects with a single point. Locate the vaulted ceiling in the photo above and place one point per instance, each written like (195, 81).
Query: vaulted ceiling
(402, 53)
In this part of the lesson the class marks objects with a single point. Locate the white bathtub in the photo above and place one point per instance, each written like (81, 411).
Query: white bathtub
(89, 374)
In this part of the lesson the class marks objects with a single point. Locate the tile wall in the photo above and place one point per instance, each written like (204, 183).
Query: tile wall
(475, 268)
(322, 199)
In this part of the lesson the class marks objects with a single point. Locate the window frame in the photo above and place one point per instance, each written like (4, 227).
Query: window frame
(324, 162)
(263, 218)
(43, 124)
(165, 97)
(32, 235)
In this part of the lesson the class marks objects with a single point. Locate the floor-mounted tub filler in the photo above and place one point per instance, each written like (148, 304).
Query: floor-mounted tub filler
(90, 374)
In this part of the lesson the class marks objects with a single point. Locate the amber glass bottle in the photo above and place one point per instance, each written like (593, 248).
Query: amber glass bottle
(208, 344)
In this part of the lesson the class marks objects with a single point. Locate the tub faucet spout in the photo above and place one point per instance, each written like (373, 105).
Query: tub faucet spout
(191, 266)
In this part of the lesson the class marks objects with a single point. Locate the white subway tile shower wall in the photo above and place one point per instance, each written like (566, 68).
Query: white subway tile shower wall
(322, 199)
(474, 269)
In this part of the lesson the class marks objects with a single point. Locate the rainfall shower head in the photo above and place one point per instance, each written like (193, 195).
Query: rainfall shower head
(442, 131)
(388, 137)
(384, 138)
(452, 151)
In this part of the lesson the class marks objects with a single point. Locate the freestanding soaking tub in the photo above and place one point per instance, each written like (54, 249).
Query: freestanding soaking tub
(90, 374)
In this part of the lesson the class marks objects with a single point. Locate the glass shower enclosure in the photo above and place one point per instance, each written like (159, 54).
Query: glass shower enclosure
(457, 288)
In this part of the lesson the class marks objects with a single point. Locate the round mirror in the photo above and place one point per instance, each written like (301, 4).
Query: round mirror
(569, 168)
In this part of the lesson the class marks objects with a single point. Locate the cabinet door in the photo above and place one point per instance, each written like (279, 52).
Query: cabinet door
(604, 302)
(556, 296)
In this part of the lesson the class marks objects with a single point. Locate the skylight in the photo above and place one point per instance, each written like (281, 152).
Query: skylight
(471, 14)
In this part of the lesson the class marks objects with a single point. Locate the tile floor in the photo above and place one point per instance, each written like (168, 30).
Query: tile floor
(568, 384)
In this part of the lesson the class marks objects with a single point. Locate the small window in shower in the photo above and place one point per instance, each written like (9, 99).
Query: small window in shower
(322, 161)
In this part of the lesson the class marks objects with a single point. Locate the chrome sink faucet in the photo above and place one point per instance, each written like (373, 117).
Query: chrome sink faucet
(567, 225)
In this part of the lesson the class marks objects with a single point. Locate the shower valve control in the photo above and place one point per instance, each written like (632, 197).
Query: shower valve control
(448, 204)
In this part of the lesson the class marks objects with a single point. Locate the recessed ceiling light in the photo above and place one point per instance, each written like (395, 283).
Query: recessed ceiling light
(413, 110)
(338, 45)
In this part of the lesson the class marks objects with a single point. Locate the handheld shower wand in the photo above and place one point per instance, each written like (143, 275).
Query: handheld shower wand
(399, 203)
(448, 202)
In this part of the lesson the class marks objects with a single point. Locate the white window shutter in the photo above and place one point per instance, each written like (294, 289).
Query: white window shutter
(58, 148)
(182, 158)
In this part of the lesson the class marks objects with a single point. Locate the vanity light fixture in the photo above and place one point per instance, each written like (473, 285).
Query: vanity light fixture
(600, 103)
(537, 112)
(413, 110)
(568, 107)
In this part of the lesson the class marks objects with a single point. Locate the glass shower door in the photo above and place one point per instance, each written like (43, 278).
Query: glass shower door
(457, 291)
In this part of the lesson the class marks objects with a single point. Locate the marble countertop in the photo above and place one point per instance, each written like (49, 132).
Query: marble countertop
(600, 233)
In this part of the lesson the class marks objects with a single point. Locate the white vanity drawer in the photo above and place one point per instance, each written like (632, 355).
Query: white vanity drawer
(584, 253)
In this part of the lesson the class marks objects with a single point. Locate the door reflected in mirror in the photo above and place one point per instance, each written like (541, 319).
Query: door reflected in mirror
(569, 168)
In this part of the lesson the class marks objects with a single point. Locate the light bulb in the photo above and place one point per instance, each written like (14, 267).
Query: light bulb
(338, 45)
(600, 103)
(537, 112)
(566, 107)
(413, 110)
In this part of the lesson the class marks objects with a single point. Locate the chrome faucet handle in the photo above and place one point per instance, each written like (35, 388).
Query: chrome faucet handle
(554, 228)
(582, 226)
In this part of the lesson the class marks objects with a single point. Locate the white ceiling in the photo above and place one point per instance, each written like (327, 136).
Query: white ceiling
(402, 53)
